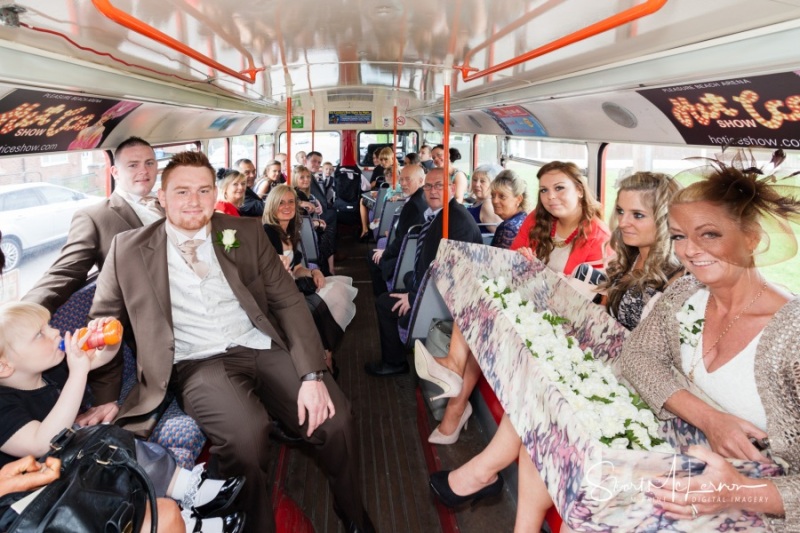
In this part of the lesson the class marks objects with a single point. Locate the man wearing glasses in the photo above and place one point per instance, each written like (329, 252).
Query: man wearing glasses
(393, 309)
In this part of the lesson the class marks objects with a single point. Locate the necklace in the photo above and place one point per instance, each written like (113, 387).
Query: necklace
(697, 357)
(566, 242)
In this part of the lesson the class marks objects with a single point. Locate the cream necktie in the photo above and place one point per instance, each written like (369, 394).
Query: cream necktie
(151, 203)
(189, 252)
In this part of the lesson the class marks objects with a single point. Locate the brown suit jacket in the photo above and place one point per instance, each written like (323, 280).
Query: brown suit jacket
(89, 240)
(135, 283)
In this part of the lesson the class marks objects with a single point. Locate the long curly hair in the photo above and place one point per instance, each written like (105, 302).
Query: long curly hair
(657, 191)
(270, 217)
(759, 203)
(590, 209)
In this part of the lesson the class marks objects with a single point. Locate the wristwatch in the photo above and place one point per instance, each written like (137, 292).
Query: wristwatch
(313, 376)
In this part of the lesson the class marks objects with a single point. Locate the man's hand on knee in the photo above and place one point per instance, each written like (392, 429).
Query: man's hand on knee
(314, 398)
(99, 414)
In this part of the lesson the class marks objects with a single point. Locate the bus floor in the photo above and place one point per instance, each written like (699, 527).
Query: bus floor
(393, 464)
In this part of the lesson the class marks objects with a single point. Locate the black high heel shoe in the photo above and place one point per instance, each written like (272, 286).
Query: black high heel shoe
(441, 488)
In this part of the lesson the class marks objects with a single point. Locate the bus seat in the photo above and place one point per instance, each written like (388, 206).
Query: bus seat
(175, 430)
(428, 305)
(485, 234)
(387, 215)
(308, 238)
(384, 242)
(405, 259)
(380, 199)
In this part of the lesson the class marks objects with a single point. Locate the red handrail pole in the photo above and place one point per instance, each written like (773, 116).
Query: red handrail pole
(446, 143)
(313, 126)
(394, 148)
(289, 139)
(647, 8)
(132, 23)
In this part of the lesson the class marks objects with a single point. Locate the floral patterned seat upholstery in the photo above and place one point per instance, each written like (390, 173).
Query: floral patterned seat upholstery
(175, 430)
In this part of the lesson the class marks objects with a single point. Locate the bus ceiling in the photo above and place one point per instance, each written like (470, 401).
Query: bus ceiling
(578, 62)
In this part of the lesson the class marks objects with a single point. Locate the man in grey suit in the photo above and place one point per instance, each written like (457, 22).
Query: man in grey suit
(131, 205)
(217, 318)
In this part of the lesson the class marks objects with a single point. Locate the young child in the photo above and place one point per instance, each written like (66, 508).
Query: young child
(326, 180)
(36, 408)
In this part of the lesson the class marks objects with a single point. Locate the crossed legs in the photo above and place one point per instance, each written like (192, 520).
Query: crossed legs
(461, 361)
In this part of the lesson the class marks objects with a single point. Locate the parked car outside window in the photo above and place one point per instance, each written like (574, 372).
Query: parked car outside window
(33, 215)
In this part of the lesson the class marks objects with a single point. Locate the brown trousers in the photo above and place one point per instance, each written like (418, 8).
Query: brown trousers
(229, 396)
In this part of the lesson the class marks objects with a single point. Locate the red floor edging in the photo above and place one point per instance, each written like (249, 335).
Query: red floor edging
(447, 519)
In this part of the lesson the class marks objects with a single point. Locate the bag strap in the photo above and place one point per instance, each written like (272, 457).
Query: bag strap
(114, 455)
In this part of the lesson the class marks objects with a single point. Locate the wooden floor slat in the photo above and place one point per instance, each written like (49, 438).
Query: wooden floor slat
(393, 469)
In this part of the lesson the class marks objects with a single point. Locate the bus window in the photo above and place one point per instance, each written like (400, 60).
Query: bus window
(327, 143)
(407, 142)
(487, 152)
(526, 156)
(38, 196)
(462, 143)
(165, 152)
(621, 160)
(218, 152)
(243, 147)
(266, 150)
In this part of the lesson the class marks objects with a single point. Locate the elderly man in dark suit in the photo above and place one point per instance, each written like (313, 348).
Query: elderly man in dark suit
(395, 308)
(413, 213)
(253, 206)
(131, 205)
(217, 318)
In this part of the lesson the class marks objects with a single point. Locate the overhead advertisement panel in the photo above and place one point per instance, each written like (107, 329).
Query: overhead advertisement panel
(516, 120)
(350, 117)
(35, 121)
(756, 111)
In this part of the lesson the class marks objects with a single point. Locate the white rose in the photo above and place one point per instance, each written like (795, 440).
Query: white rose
(646, 417)
(228, 237)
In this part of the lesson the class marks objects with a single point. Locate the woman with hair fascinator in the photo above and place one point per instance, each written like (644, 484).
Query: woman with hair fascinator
(720, 348)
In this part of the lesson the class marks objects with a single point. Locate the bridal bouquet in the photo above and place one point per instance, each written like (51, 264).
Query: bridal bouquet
(607, 410)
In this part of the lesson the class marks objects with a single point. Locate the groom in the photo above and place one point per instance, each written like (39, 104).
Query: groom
(221, 321)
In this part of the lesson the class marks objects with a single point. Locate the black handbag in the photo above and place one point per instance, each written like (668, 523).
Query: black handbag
(306, 285)
(101, 489)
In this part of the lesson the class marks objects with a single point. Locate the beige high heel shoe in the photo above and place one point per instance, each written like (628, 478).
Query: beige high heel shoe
(429, 370)
(437, 437)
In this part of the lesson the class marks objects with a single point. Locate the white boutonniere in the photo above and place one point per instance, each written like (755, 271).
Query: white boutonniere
(227, 238)
(691, 322)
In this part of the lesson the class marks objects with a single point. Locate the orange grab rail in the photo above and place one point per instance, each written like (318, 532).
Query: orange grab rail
(647, 8)
(446, 144)
(289, 140)
(132, 23)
